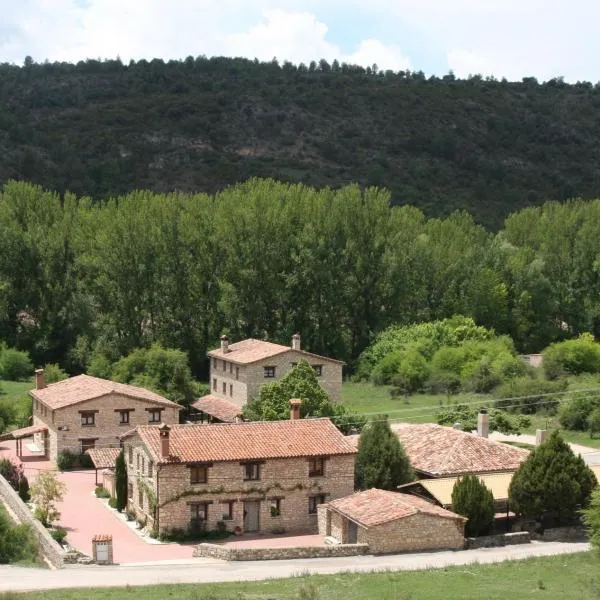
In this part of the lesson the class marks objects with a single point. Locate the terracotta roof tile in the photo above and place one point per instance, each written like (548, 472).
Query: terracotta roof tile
(104, 458)
(374, 507)
(219, 408)
(247, 441)
(252, 350)
(84, 387)
(443, 451)
(18, 434)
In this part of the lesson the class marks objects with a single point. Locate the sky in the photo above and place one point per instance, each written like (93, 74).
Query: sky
(502, 38)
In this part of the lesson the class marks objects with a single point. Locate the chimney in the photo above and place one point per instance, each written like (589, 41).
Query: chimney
(295, 404)
(163, 432)
(40, 381)
(296, 341)
(540, 436)
(483, 427)
(224, 344)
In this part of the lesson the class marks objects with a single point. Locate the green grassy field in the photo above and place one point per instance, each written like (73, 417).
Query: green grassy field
(568, 577)
(14, 394)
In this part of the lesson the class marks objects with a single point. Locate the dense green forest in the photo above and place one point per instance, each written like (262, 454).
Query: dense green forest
(490, 147)
(82, 281)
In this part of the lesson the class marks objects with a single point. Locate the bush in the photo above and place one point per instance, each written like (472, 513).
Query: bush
(387, 368)
(466, 415)
(442, 382)
(102, 492)
(68, 461)
(15, 476)
(574, 413)
(53, 373)
(120, 482)
(17, 542)
(14, 364)
(572, 357)
(529, 395)
(112, 502)
(472, 499)
(594, 422)
(59, 534)
(591, 517)
(412, 373)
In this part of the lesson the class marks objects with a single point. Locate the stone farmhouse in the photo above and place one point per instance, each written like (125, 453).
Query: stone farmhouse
(84, 412)
(249, 476)
(391, 522)
(237, 372)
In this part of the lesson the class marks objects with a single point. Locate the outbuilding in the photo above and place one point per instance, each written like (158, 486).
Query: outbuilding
(391, 522)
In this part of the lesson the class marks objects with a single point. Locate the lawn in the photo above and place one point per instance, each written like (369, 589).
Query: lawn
(14, 394)
(574, 576)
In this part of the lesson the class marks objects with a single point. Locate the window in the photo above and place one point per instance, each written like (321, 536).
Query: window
(230, 368)
(140, 498)
(251, 472)
(231, 389)
(124, 417)
(154, 415)
(224, 388)
(138, 462)
(237, 372)
(198, 511)
(87, 445)
(316, 467)
(269, 372)
(88, 419)
(198, 474)
(130, 455)
(313, 502)
(224, 366)
(275, 507)
(150, 469)
(318, 369)
(143, 464)
(227, 510)
(215, 384)
(214, 363)
(130, 491)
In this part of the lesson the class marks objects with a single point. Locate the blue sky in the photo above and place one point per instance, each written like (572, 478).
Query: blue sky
(503, 38)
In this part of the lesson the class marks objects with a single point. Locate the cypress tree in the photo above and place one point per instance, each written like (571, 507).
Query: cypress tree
(121, 482)
(472, 499)
(551, 481)
(381, 461)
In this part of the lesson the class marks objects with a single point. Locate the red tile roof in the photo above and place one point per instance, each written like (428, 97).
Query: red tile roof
(444, 451)
(104, 458)
(84, 387)
(246, 441)
(219, 408)
(374, 507)
(25, 432)
(251, 350)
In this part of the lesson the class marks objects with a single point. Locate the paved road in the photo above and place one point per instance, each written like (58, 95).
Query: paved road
(209, 570)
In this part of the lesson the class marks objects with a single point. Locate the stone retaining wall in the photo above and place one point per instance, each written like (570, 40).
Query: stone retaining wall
(575, 533)
(236, 554)
(502, 539)
(50, 549)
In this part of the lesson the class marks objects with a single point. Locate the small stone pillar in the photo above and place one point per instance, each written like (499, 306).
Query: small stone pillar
(102, 549)
(540, 436)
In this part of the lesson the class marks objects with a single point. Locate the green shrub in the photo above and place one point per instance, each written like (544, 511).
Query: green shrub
(112, 502)
(53, 373)
(594, 422)
(575, 412)
(466, 415)
(15, 476)
(581, 355)
(102, 492)
(529, 395)
(120, 482)
(59, 534)
(442, 382)
(68, 460)
(479, 376)
(387, 368)
(472, 499)
(14, 364)
(17, 542)
(591, 517)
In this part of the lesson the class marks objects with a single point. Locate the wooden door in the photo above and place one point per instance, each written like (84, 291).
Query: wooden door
(352, 532)
(251, 516)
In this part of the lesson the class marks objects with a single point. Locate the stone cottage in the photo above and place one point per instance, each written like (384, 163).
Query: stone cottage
(84, 412)
(249, 476)
(237, 372)
(391, 522)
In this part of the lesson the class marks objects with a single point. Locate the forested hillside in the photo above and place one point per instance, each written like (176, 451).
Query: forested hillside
(489, 147)
(81, 280)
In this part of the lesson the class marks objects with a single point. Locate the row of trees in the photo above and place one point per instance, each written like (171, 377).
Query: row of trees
(82, 282)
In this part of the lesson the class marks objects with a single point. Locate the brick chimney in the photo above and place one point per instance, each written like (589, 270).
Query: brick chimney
(296, 341)
(295, 404)
(224, 344)
(40, 380)
(164, 431)
(483, 426)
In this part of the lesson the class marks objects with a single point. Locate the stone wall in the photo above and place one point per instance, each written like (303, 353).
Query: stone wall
(107, 428)
(502, 539)
(574, 533)
(413, 534)
(49, 548)
(235, 554)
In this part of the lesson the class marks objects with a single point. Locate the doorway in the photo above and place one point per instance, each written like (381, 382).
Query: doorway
(352, 532)
(251, 516)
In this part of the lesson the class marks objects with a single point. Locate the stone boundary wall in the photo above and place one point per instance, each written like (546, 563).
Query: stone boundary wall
(236, 554)
(502, 539)
(50, 549)
(575, 533)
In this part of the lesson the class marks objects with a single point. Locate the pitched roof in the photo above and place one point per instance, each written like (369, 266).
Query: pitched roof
(219, 408)
(84, 387)
(104, 458)
(441, 489)
(25, 432)
(374, 507)
(255, 440)
(444, 451)
(252, 350)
